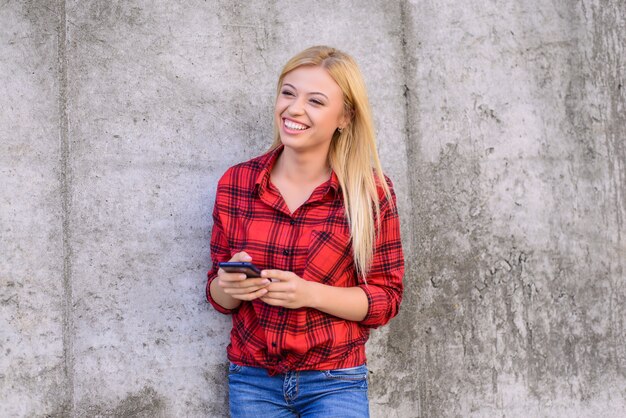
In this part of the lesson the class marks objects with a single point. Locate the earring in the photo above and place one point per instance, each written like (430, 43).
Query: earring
(340, 130)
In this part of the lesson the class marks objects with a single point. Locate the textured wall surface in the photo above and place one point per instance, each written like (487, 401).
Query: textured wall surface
(32, 296)
(501, 123)
(518, 189)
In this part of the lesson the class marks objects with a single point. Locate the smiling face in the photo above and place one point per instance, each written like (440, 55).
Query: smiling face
(309, 108)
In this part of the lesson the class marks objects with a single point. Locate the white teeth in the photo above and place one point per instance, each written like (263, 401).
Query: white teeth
(293, 125)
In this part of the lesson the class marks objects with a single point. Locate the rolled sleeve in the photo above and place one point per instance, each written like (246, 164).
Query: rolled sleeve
(220, 251)
(216, 305)
(384, 285)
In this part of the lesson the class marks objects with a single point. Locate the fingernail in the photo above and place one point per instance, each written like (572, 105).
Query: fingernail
(265, 281)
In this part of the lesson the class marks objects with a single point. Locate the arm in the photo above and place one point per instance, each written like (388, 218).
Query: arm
(344, 302)
(225, 301)
(220, 251)
(293, 292)
(226, 291)
(230, 289)
(384, 285)
(372, 304)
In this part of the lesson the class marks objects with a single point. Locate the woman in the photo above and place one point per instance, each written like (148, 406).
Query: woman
(322, 224)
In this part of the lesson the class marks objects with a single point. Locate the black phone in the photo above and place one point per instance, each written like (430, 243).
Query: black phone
(245, 267)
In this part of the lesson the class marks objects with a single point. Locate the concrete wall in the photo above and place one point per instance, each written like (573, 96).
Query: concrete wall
(501, 123)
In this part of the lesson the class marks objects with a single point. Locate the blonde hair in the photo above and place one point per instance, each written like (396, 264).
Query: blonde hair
(352, 154)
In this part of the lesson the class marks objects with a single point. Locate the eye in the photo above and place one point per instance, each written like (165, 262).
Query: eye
(286, 93)
(317, 102)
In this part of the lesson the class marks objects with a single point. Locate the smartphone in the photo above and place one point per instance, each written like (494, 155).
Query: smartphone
(245, 267)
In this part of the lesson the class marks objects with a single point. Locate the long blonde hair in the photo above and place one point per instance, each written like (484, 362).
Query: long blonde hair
(352, 154)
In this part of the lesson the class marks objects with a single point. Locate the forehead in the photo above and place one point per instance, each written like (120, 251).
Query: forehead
(308, 79)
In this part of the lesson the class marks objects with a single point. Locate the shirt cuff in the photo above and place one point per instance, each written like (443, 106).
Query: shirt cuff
(377, 311)
(209, 299)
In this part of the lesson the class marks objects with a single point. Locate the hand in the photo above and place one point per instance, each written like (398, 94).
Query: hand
(237, 285)
(287, 290)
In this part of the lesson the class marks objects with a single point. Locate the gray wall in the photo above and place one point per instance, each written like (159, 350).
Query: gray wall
(502, 124)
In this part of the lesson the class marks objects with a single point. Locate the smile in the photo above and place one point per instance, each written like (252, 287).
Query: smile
(289, 124)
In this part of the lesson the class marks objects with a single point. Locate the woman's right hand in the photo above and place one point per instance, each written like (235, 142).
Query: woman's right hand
(237, 285)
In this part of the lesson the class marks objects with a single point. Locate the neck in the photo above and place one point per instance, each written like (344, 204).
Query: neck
(302, 167)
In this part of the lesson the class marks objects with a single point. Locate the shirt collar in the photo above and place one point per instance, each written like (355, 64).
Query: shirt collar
(266, 163)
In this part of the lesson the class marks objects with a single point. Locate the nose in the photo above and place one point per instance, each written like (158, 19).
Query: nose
(296, 107)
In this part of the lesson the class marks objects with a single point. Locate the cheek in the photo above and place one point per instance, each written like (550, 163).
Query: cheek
(333, 119)
(277, 113)
(279, 106)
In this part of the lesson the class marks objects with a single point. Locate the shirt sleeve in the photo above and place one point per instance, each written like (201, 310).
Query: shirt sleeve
(220, 251)
(384, 285)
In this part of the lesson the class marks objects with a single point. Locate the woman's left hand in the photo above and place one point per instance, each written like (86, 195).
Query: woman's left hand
(287, 290)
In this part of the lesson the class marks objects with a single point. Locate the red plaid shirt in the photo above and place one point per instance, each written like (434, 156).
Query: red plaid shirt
(314, 242)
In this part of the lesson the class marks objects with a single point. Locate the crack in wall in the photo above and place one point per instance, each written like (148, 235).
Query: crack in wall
(68, 361)
(410, 124)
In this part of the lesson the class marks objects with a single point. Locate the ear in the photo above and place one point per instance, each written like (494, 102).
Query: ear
(346, 118)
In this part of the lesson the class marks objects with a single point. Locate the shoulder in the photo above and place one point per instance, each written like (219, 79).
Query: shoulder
(387, 202)
(381, 189)
(387, 181)
(244, 174)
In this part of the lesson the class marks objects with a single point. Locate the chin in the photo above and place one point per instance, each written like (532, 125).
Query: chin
(292, 143)
(303, 146)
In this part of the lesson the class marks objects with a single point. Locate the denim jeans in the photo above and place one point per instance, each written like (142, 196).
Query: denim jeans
(311, 394)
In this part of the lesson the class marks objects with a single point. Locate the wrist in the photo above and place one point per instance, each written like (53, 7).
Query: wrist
(313, 292)
(222, 298)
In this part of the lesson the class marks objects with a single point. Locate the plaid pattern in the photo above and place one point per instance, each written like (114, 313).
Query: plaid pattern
(314, 242)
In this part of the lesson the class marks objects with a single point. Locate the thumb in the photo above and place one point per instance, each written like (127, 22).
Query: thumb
(241, 256)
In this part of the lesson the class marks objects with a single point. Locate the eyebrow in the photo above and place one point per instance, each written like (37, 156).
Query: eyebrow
(313, 92)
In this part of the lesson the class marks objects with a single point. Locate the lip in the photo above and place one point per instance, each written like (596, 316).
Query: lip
(293, 131)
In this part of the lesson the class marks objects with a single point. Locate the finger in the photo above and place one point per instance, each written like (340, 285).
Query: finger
(250, 283)
(241, 256)
(242, 291)
(258, 282)
(251, 296)
(278, 296)
(280, 287)
(231, 277)
(273, 301)
(241, 287)
(277, 274)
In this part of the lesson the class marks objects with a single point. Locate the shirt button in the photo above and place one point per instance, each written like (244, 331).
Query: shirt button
(273, 344)
(285, 252)
(292, 222)
(280, 313)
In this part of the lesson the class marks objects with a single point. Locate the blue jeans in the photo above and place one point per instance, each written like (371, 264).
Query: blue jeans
(311, 394)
